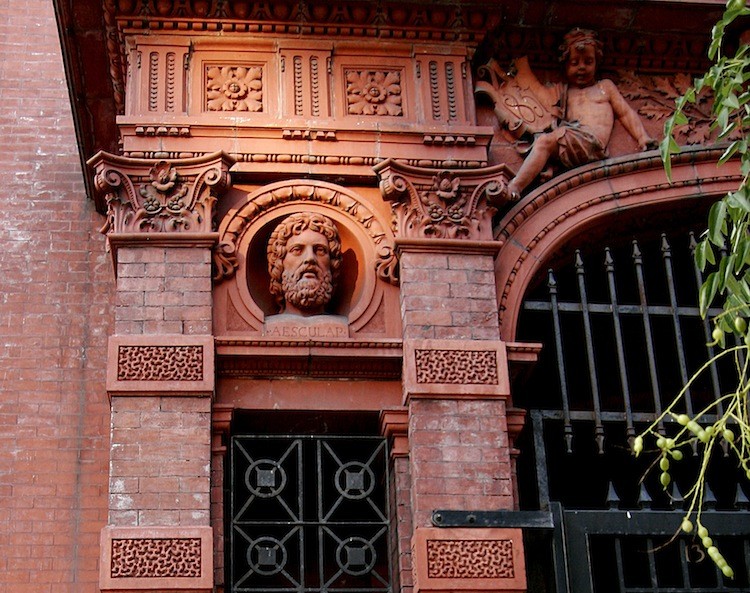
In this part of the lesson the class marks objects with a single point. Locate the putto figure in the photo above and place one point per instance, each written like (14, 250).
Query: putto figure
(587, 111)
(304, 257)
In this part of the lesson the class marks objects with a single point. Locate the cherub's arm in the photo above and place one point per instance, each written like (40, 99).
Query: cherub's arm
(631, 121)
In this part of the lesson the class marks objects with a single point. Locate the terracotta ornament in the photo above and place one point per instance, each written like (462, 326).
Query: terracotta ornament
(304, 257)
(586, 112)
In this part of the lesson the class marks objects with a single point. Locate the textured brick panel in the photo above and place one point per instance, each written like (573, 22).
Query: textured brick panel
(460, 559)
(156, 559)
(468, 559)
(160, 364)
(455, 368)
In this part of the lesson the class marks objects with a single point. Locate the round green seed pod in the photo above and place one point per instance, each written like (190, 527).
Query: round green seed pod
(638, 445)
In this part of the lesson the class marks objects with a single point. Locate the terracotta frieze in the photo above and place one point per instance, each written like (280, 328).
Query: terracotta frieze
(143, 196)
(318, 106)
(443, 204)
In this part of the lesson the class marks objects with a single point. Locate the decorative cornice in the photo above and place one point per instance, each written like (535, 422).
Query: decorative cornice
(394, 425)
(455, 246)
(146, 196)
(390, 20)
(279, 358)
(443, 204)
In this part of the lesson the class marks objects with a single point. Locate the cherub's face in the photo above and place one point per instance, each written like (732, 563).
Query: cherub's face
(581, 67)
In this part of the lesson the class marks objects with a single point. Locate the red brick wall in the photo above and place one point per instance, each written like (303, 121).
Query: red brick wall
(448, 296)
(460, 456)
(159, 472)
(163, 290)
(55, 310)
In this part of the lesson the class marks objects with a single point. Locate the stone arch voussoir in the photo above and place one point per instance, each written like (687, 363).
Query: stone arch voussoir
(542, 222)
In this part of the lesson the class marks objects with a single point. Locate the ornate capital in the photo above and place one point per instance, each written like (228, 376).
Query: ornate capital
(443, 203)
(148, 196)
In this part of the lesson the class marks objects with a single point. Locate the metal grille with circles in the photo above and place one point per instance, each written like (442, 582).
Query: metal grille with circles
(309, 514)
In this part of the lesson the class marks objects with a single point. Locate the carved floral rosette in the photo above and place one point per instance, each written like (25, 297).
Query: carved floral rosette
(147, 196)
(443, 204)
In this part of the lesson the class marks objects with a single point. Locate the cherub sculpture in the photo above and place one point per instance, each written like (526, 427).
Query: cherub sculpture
(578, 114)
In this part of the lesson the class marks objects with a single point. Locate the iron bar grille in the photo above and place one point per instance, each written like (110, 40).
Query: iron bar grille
(309, 514)
(622, 334)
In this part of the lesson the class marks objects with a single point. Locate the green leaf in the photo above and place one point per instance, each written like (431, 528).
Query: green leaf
(709, 252)
(739, 199)
(730, 151)
(731, 101)
(707, 293)
(716, 223)
(680, 118)
(700, 255)
(727, 269)
(722, 119)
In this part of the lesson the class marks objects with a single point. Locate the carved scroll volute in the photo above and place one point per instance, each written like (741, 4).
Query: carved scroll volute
(146, 196)
(443, 204)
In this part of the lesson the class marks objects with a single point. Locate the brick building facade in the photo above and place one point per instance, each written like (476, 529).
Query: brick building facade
(164, 427)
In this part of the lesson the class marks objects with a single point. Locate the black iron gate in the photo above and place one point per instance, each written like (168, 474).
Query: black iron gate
(621, 335)
(308, 514)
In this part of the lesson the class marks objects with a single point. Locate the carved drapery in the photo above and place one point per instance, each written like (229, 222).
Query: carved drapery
(146, 196)
(443, 204)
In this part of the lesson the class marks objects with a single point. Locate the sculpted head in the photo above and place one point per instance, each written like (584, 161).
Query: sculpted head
(581, 51)
(304, 258)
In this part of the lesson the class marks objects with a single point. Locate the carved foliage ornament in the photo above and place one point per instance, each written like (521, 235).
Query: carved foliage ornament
(234, 88)
(437, 204)
(659, 93)
(386, 265)
(163, 196)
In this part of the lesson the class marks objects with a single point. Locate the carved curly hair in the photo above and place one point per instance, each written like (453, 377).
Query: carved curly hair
(295, 224)
(579, 38)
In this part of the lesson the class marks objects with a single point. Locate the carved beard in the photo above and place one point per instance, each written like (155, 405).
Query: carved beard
(307, 293)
